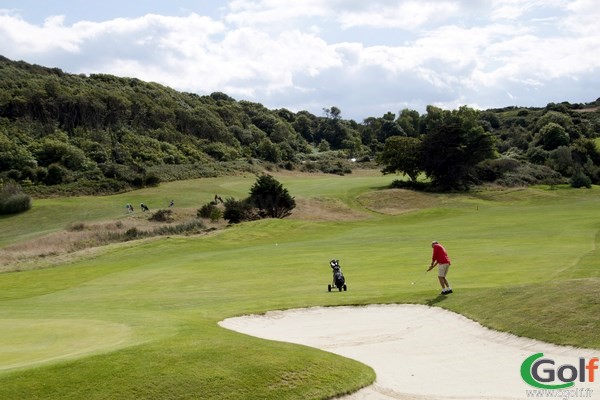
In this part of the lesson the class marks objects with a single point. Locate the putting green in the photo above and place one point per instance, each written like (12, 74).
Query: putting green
(25, 342)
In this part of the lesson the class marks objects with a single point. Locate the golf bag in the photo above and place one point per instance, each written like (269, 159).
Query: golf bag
(338, 277)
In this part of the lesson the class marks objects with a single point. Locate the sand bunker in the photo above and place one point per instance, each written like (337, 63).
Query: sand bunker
(417, 352)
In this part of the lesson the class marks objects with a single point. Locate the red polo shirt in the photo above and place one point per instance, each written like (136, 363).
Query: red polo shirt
(439, 254)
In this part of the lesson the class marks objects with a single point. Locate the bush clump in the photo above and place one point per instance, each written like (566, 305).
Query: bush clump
(580, 180)
(13, 200)
(207, 210)
(162, 216)
(238, 210)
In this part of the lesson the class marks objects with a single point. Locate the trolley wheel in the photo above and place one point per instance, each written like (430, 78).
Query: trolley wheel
(329, 288)
(345, 288)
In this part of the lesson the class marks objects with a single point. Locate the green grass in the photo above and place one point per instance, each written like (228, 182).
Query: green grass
(140, 322)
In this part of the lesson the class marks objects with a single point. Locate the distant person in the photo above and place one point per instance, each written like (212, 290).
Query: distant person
(441, 259)
(172, 203)
(144, 207)
(218, 199)
(128, 207)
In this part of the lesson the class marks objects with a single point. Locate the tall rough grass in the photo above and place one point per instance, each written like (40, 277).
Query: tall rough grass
(80, 236)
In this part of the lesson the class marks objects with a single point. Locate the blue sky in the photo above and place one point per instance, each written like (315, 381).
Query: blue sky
(364, 57)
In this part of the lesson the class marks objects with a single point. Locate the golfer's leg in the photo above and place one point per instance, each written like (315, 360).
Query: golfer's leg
(445, 283)
(442, 279)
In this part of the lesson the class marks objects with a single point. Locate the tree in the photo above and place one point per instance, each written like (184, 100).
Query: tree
(409, 122)
(552, 136)
(270, 198)
(401, 154)
(389, 128)
(268, 151)
(333, 112)
(556, 117)
(304, 127)
(454, 143)
(561, 160)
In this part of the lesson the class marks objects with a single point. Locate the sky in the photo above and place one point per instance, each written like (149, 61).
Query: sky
(365, 57)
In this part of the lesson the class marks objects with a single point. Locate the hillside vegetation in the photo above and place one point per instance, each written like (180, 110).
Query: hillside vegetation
(63, 133)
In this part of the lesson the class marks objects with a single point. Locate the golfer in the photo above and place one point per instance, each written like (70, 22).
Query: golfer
(441, 259)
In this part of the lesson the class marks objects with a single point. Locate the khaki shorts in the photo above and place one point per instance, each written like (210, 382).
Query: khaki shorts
(443, 269)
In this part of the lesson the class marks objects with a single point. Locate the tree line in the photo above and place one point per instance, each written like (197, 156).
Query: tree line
(68, 133)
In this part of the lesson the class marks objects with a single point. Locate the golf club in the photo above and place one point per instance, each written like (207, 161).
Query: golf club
(419, 278)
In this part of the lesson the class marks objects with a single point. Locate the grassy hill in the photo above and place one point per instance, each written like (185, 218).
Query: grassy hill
(65, 134)
(139, 320)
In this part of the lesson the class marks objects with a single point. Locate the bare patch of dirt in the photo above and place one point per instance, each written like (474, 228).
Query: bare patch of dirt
(324, 209)
(397, 201)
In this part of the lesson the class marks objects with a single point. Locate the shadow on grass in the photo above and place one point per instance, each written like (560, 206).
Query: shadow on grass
(436, 300)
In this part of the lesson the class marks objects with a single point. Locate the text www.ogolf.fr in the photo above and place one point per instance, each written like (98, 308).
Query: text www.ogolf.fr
(565, 394)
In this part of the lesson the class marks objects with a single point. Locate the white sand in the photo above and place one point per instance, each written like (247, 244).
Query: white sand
(417, 352)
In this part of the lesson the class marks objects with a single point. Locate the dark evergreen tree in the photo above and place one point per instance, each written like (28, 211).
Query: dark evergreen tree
(270, 198)
(453, 145)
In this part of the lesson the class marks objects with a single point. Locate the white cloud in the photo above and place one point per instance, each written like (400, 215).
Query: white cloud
(405, 15)
(20, 37)
(509, 9)
(266, 12)
(380, 53)
(582, 18)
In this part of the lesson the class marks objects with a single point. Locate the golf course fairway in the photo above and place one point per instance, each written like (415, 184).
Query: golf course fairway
(139, 320)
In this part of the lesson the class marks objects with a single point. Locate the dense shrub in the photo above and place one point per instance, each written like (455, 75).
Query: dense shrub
(15, 204)
(490, 170)
(210, 211)
(579, 180)
(216, 214)
(552, 136)
(530, 174)
(152, 180)
(238, 210)
(13, 200)
(537, 155)
(163, 215)
(206, 210)
(133, 233)
(57, 174)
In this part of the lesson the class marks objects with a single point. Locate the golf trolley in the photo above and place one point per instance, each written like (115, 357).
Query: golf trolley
(339, 281)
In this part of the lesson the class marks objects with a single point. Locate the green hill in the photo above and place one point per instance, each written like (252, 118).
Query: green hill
(63, 133)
